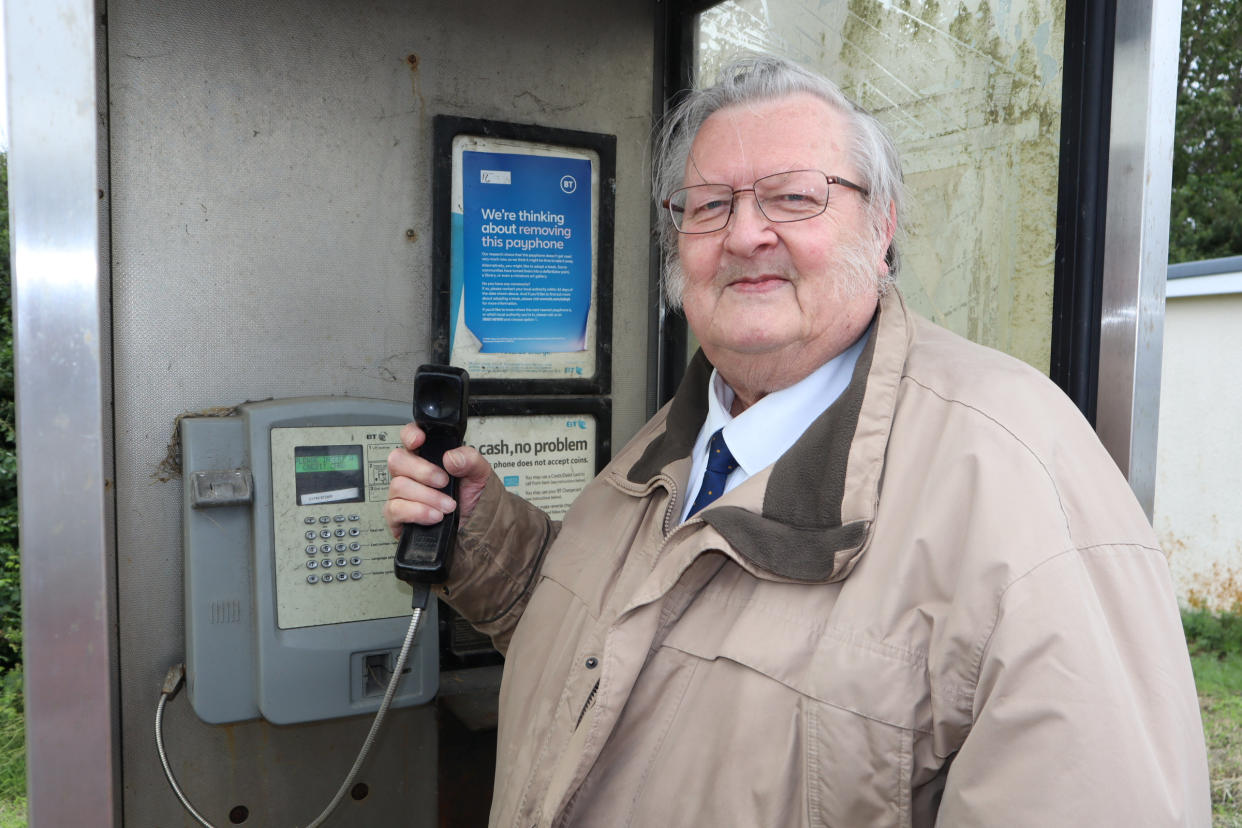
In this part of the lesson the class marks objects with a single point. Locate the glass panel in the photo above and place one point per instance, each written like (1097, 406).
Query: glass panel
(971, 92)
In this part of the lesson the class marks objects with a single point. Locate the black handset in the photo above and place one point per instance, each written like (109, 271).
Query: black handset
(441, 393)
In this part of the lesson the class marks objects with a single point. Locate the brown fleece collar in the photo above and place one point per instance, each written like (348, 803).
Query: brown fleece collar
(799, 532)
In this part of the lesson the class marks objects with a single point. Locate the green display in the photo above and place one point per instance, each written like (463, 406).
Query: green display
(327, 463)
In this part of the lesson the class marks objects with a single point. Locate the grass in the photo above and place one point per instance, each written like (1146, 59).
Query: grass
(12, 751)
(1216, 657)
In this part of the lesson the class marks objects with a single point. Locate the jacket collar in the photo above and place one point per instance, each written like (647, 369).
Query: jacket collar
(820, 498)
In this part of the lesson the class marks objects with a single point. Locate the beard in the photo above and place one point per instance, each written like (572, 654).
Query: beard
(853, 273)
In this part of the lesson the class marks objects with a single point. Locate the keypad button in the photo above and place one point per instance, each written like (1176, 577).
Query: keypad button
(355, 517)
(356, 561)
(342, 576)
(310, 550)
(324, 519)
(312, 579)
(308, 519)
(326, 549)
(340, 547)
(355, 546)
(340, 533)
(325, 533)
(327, 562)
(312, 564)
(310, 535)
(339, 518)
(326, 579)
(354, 531)
(356, 575)
(341, 562)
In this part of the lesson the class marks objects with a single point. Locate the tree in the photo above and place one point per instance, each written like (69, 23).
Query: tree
(1206, 210)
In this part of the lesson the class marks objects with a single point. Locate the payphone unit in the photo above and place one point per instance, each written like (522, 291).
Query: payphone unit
(292, 610)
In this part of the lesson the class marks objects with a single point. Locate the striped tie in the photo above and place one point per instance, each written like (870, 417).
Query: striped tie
(719, 463)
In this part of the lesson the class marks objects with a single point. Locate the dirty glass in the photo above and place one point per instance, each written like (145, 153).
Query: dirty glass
(971, 92)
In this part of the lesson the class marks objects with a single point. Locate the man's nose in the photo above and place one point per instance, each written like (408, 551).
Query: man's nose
(748, 227)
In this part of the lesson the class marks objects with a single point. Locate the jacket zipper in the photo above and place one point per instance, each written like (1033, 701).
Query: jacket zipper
(587, 706)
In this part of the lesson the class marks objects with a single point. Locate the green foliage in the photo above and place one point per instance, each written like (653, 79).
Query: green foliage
(10, 560)
(12, 714)
(1206, 210)
(1210, 634)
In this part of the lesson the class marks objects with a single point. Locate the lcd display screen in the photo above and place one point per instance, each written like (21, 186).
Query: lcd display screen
(328, 474)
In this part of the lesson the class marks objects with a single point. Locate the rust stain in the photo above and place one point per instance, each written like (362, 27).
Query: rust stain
(1219, 590)
(413, 62)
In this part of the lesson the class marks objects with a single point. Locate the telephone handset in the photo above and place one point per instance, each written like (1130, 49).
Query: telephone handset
(441, 394)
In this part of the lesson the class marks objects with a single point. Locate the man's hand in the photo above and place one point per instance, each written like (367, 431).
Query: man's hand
(414, 484)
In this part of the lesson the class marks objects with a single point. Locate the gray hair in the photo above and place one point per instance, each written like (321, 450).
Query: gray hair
(759, 78)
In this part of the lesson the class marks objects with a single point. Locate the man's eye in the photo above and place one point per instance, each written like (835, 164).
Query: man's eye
(798, 201)
(712, 206)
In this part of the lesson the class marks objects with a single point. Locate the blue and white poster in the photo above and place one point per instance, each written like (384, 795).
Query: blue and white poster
(523, 260)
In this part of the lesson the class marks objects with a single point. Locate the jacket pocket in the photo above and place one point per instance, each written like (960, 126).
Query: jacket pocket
(858, 770)
(860, 703)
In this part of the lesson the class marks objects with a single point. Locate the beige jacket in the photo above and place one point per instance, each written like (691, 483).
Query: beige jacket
(941, 606)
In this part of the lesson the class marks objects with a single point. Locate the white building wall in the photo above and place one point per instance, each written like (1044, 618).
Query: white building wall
(1198, 510)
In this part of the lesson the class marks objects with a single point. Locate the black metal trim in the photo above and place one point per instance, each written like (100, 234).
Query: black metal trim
(678, 78)
(1082, 200)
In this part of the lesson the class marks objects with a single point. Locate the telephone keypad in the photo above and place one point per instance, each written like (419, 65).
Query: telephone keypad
(348, 537)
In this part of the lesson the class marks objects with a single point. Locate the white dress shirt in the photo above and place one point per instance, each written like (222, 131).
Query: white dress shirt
(762, 433)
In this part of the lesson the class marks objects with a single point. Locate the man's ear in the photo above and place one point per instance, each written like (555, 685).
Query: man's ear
(890, 229)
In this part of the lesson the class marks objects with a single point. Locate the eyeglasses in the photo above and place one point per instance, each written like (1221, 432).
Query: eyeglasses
(796, 195)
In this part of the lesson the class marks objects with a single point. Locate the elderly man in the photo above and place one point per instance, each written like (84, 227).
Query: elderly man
(859, 572)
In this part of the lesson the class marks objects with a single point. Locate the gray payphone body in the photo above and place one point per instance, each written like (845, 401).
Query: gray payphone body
(292, 609)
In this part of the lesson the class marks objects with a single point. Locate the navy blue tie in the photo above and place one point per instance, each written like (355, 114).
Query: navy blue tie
(719, 463)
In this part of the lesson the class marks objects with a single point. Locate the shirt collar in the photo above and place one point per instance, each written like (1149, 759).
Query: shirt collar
(763, 432)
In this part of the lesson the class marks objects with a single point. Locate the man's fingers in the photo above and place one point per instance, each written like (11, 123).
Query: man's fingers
(406, 489)
(412, 436)
(414, 484)
(404, 463)
(467, 463)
